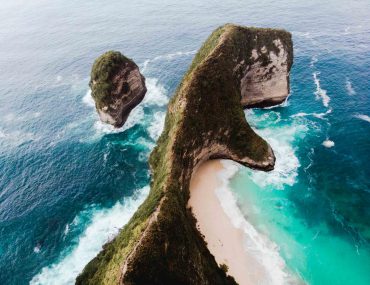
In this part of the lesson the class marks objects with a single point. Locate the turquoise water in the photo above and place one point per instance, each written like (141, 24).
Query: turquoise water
(67, 182)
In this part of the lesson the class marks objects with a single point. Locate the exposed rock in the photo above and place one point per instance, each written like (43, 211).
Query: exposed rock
(265, 76)
(205, 120)
(117, 87)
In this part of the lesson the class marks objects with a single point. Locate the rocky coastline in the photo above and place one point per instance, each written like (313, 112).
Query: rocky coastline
(237, 67)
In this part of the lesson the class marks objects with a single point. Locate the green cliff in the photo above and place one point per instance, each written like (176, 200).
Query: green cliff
(205, 120)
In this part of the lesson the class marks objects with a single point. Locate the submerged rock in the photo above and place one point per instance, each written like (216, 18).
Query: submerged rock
(205, 120)
(117, 86)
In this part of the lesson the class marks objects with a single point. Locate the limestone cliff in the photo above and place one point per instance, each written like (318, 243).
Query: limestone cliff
(117, 86)
(265, 74)
(205, 120)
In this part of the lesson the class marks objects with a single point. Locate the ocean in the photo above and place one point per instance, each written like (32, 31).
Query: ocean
(69, 182)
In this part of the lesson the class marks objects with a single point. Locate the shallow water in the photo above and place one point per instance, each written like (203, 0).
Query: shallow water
(63, 172)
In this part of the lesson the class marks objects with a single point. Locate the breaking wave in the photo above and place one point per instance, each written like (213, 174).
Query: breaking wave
(281, 138)
(263, 250)
(104, 226)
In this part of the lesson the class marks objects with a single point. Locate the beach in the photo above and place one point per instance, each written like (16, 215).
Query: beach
(225, 241)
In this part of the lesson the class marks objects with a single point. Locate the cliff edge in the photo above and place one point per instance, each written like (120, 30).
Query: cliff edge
(205, 120)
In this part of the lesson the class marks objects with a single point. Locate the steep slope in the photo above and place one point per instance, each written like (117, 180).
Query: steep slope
(205, 120)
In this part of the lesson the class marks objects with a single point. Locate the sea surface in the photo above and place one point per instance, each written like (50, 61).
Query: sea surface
(69, 182)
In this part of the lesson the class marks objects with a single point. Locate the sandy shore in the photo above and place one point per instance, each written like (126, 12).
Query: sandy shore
(225, 241)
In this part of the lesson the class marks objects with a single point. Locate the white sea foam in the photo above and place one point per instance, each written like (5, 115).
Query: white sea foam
(156, 126)
(313, 61)
(328, 143)
(281, 139)
(88, 99)
(363, 117)
(316, 115)
(320, 93)
(136, 117)
(37, 249)
(349, 87)
(265, 252)
(104, 226)
(156, 94)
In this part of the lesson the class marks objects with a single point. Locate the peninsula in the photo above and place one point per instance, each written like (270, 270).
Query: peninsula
(237, 67)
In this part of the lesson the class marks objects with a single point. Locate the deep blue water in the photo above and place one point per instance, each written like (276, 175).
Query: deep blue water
(68, 182)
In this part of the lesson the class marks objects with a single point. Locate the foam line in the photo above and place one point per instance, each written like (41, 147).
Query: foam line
(264, 250)
(104, 226)
(320, 93)
(365, 118)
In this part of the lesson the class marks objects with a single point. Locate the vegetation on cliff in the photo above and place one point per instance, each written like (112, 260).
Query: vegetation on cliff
(104, 68)
(205, 120)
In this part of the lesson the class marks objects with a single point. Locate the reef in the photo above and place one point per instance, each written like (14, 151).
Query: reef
(236, 67)
(117, 86)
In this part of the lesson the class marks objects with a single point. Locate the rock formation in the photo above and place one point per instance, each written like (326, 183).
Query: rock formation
(117, 86)
(205, 120)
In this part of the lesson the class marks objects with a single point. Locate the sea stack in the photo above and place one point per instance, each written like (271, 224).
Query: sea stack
(205, 120)
(117, 86)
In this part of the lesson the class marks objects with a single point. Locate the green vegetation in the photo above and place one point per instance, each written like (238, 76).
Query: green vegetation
(204, 114)
(224, 267)
(103, 70)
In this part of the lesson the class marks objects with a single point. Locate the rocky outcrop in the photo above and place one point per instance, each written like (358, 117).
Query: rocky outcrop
(205, 120)
(117, 86)
(265, 73)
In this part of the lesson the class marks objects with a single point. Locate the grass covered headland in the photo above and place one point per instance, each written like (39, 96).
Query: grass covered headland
(205, 120)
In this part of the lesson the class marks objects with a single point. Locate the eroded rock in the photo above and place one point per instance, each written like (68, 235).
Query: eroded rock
(205, 120)
(117, 87)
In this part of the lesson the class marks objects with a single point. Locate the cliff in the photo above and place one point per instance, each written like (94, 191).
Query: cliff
(205, 120)
(117, 86)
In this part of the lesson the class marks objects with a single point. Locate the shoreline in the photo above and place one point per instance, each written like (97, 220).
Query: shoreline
(225, 241)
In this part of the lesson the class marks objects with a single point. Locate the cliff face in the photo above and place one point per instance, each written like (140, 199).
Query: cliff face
(265, 75)
(117, 86)
(205, 120)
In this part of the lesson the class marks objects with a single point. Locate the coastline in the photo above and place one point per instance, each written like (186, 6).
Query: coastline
(251, 257)
(224, 240)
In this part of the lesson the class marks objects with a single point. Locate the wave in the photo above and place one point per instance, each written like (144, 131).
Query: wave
(281, 138)
(258, 245)
(328, 143)
(88, 99)
(316, 115)
(349, 88)
(363, 117)
(156, 126)
(156, 94)
(320, 93)
(104, 227)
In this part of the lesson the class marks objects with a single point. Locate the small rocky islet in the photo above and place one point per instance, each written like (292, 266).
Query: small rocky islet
(237, 67)
(117, 87)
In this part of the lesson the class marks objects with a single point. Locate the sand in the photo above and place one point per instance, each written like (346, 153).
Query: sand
(225, 241)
